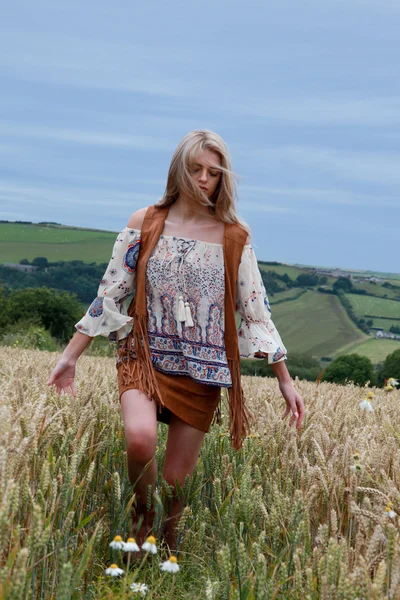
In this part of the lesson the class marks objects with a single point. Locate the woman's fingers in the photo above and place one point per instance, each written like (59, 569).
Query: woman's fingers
(295, 407)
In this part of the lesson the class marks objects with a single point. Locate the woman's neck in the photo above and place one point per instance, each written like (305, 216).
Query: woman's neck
(181, 211)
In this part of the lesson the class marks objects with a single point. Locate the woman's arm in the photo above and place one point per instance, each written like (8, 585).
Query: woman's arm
(281, 372)
(76, 346)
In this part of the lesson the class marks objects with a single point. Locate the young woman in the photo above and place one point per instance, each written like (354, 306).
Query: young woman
(178, 274)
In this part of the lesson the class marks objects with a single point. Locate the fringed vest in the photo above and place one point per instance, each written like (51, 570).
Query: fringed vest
(234, 240)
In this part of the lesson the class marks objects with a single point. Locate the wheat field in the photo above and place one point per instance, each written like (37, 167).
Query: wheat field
(290, 516)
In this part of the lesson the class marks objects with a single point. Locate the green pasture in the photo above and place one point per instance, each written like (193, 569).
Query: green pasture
(293, 272)
(18, 241)
(286, 295)
(315, 323)
(377, 290)
(376, 350)
(381, 307)
(386, 323)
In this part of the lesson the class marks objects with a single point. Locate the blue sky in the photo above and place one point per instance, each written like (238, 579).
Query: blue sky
(95, 97)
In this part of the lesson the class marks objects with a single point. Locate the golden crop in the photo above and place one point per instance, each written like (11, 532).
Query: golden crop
(297, 516)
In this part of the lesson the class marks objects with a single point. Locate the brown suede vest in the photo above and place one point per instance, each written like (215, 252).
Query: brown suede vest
(234, 241)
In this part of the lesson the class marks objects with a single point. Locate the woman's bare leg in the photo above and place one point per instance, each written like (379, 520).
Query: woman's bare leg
(140, 421)
(183, 448)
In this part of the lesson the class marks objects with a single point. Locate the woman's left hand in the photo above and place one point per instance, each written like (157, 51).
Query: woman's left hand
(294, 403)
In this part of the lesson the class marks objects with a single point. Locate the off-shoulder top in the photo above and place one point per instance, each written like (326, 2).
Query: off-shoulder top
(193, 270)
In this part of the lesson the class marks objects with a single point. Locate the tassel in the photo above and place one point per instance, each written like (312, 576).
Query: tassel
(188, 319)
(181, 310)
(240, 416)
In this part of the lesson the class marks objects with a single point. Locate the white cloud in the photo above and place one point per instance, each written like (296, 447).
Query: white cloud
(73, 196)
(321, 195)
(93, 138)
(322, 110)
(98, 64)
(377, 167)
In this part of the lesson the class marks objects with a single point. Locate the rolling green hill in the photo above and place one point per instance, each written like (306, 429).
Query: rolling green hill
(376, 350)
(384, 313)
(18, 241)
(315, 323)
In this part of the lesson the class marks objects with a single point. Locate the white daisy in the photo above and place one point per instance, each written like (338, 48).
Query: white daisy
(356, 467)
(130, 545)
(150, 545)
(170, 565)
(392, 381)
(114, 571)
(117, 543)
(389, 510)
(366, 405)
(139, 588)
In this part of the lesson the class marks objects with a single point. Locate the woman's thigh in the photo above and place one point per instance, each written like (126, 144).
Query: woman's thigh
(182, 452)
(140, 422)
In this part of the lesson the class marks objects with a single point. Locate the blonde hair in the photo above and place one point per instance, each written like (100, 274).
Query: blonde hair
(179, 182)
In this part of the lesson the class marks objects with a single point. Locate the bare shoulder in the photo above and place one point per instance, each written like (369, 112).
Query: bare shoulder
(248, 240)
(136, 220)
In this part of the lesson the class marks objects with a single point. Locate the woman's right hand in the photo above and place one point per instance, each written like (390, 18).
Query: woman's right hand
(62, 376)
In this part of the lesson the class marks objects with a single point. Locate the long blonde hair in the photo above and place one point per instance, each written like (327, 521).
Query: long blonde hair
(222, 203)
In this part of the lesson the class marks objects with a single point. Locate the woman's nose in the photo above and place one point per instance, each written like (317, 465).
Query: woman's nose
(203, 175)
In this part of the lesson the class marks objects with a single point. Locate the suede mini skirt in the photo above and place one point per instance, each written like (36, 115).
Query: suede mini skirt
(193, 402)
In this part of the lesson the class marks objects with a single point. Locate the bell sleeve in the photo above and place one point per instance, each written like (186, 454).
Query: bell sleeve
(257, 334)
(108, 313)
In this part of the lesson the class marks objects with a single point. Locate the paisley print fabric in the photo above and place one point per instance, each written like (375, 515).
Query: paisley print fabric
(194, 270)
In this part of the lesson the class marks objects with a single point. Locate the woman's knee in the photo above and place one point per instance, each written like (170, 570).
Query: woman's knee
(141, 444)
(172, 474)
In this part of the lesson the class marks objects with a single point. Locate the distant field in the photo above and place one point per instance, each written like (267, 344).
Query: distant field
(19, 241)
(366, 305)
(375, 350)
(293, 272)
(286, 295)
(315, 323)
(378, 290)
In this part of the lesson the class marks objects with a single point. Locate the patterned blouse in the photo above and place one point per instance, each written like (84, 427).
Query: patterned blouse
(192, 270)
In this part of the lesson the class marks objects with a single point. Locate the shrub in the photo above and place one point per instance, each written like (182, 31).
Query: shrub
(390, 367)
(350, 368)
(299, 365)
(30, 337)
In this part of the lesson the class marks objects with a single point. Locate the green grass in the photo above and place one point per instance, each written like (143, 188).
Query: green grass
(377, 290)
(293, 272)
(316, 324)
(19, 241)
(286, 295)
(376, 350)
(380, 307)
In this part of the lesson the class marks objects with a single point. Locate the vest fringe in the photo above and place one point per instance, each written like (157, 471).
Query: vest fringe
(139, 369)
(240, 416)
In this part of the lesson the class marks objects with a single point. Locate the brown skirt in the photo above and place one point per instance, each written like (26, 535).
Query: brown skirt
(193, 402)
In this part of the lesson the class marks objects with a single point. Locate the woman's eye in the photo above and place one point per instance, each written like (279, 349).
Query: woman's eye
(214, 174)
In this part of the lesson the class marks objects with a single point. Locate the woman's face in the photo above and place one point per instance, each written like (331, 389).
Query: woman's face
(204, 171)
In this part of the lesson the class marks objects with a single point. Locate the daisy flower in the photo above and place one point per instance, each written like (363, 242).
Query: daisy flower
(170, 565)
(150, 545)
(117, 543)
(366, 405)
(139, 588)
(388, 388)
(370, 395)
(130, 545)
(389, 510)
(392, 381)
(114, 570)
(356, 468)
